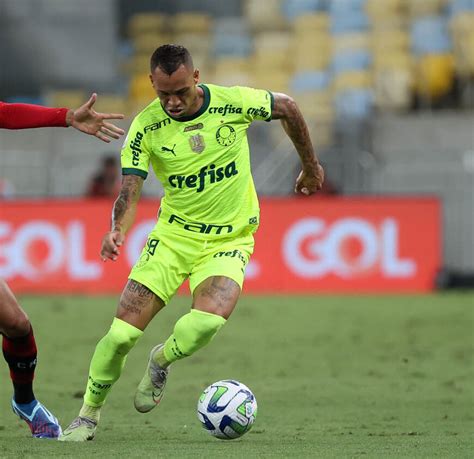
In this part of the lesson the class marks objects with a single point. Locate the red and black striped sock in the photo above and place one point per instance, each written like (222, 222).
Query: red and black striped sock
(20, 354)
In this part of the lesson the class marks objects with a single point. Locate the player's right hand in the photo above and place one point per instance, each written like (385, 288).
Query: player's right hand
(111, 242)
(308, 182)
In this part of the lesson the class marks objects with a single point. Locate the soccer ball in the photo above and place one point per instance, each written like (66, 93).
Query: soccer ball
(227, 409)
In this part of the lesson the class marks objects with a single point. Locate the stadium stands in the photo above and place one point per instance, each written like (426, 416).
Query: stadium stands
(398, 50)
(340, 59)
(462, 32)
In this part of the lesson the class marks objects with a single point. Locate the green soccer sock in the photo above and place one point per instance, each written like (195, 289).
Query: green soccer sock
(108, 360)
(193, 331)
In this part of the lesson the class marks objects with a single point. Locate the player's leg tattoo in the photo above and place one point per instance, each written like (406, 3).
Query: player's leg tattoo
(138, 305)
(216, 295)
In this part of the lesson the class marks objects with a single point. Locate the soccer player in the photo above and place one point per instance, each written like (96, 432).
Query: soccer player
(194, 136)
(18, 343)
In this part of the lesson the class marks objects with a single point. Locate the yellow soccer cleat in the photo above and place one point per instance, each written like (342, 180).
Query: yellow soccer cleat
(81, 429)
(150, 390)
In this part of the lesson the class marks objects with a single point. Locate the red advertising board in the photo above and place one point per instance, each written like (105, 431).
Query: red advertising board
(304, 245)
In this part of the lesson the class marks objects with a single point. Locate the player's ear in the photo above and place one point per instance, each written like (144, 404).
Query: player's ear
(196, 76)
(151, 80)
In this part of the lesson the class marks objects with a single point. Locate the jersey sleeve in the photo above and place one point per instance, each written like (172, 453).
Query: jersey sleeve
(26, 116)
(257, 104)
(135, 156)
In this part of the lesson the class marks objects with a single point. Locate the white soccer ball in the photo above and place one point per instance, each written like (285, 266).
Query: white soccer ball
(227, 409)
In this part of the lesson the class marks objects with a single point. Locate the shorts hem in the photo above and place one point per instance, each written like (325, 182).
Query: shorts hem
(202, 278)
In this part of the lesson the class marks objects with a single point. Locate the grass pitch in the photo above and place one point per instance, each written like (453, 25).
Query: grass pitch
(333, 376)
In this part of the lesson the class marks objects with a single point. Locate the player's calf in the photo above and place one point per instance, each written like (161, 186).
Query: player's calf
(108, 361)
(105, 369)
(192, 332)
(20, 354)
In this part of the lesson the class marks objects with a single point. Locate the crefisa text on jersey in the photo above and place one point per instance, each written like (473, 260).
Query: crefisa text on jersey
(198, 181)
(135, 145)
(224, 110)
(231, 109)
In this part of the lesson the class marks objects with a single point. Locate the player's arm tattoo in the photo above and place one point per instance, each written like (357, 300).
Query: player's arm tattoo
(286, 110)
(125, 206)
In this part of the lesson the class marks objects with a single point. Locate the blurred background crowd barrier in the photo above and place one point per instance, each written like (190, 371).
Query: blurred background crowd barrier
(359, 245)
(386, 86)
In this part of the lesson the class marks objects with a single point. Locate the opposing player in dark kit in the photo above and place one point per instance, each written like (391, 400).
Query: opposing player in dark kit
(18, 344)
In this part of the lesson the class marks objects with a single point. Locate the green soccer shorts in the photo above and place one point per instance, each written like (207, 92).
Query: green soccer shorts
(167, 260)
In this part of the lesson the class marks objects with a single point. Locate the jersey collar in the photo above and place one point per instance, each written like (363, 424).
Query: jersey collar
(204, 106)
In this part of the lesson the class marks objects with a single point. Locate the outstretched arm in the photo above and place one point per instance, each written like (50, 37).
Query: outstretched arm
(311, 177)
(123, 216)
(26, 116)
(84, 118)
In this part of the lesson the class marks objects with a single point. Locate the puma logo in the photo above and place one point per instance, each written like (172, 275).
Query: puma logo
(171, 150)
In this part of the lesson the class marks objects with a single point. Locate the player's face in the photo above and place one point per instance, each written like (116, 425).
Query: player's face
(177, 92)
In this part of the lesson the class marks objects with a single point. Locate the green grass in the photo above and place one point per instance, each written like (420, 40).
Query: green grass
(333, 376)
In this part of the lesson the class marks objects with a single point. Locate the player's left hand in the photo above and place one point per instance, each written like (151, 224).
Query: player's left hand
(310, 181)
(87, 120)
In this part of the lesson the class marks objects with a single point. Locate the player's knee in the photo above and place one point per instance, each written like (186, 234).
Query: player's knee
(120, 337)
(16, 326)
(197, 329)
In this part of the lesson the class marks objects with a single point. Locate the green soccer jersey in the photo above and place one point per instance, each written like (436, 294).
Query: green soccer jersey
(202, 161)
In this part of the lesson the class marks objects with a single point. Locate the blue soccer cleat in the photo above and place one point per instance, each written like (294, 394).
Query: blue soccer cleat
(40, 421)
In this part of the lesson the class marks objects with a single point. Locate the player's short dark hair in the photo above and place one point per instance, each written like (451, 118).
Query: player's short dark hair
(169, 57)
